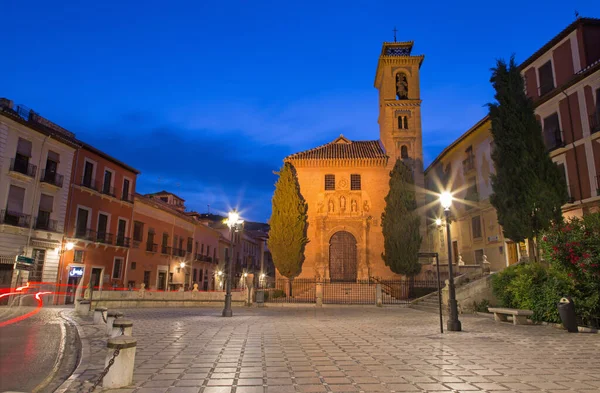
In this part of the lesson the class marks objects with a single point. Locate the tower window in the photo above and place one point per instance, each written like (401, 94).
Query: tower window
(404, 152)
(355, 182)
(329, 182)
(403, 122)
(406, 122)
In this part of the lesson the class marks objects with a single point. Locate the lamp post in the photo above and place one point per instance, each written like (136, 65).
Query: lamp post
(453, 323)
(234, 223)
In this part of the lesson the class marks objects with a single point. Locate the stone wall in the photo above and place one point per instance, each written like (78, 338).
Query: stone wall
(135, 299)
(469, 292)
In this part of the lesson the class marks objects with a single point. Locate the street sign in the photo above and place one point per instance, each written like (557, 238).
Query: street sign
(24, 259)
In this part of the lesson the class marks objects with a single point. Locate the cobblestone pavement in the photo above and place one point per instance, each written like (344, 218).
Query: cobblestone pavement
(346, 349)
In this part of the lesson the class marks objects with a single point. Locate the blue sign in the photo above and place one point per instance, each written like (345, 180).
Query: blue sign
(76, 271)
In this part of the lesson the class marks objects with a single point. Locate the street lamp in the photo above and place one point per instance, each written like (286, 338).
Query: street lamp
(234, 223)
(453, 323)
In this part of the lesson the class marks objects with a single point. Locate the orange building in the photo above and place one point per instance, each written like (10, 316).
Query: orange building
(98, 223)
(345, 182)
(171, 249)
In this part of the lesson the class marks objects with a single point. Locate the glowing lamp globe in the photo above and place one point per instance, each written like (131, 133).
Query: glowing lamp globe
(446, 200)
(69, 246)
(438, 222)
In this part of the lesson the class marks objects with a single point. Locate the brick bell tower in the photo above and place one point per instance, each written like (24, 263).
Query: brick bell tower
(397, 79)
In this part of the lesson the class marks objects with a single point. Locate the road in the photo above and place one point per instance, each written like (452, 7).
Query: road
(30, 350)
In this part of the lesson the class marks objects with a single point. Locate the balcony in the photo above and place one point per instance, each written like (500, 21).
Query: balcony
(135, 244)
(15, 219)
(594, 122)
(44, 223)
(468, 164)
(165, 250)
(127, 198)
(23, 167)
(53, 178)
(151, 247)
(98, 186)
(553, 139)
(123, 241)
(178, 252)
(94, 236)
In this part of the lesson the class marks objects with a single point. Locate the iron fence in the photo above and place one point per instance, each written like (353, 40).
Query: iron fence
(354, 292)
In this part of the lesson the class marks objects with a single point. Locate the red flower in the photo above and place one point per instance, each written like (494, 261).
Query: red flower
(586, 255)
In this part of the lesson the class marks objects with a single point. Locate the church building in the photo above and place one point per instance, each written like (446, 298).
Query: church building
(345, 182)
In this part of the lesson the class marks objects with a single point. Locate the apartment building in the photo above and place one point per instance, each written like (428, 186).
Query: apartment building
(563, 79)
(172, 249)
(36, 159)
(99, 222)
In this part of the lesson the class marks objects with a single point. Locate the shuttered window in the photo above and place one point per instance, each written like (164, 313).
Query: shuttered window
(46, 202)
(53, 156)
(329, 182)
(16, 196)
(24, 147)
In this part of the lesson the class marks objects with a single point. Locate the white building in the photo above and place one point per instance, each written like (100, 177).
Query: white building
(36, 157)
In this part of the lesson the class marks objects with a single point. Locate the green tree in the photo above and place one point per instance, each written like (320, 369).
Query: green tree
(287, 236)
(528, 188)
(400, 222)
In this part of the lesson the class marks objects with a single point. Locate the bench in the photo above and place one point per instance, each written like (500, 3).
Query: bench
(519, 316)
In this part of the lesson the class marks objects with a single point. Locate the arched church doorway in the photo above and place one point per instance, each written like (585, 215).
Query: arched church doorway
(342, 257)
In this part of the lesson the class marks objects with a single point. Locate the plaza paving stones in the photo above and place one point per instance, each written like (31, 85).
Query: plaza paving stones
(343, 349)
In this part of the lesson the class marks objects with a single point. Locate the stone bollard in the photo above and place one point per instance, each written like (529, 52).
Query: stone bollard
(378, 296)
(319, 294)
(120, 373)
(110, 318)
(100, 315)
(122, 327)
(82, 307)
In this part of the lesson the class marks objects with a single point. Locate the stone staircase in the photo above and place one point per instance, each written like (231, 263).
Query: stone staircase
(427, 303)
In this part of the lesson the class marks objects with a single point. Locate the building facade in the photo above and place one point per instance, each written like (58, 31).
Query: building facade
(563, 80)
(36, 158)
(345, 182)
(98, 223)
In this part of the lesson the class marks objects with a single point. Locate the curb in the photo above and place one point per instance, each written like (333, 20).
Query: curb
(83, 357)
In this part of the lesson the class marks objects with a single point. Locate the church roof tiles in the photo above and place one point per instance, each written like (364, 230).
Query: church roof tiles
(342, 152)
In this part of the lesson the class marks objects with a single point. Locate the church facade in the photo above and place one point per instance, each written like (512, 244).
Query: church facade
(345, 182)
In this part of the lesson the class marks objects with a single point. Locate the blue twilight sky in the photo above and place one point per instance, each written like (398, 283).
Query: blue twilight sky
(207, 98)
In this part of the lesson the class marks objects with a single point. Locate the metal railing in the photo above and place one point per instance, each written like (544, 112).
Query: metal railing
(16, 219)
(123, 241)
(178, 252)
(52, 178)
(23, 167)
(151, 247)
(99, 186)
(127, 197)
(94, 236)
(553, 139)
(165, 250)
(594, 122)
(44, 223)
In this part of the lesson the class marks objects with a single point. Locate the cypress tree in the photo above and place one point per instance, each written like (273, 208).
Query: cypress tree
(528, 188)
(287, 236)
(400, 222)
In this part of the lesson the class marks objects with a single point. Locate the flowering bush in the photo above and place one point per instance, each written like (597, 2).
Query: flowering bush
(571, 267)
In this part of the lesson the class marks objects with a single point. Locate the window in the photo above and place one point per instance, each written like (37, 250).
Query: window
(133, 265)
(479, 257)
(404, 152)
(147, 279)
(476, 225)
(552, 135)
(196, 249)
(150, 241)
(546, 78)
(78, 256)
(202, 249)
(88, 175)
(82, 222)
(121, 230)
(472, 194)
(125, 194)
(106, 187)
(329, 182)
(165, 239)
(403, 122)
(52, 161)
(355, 182)
(195, 275)
(164, 199)
(138, 231)
(43, 218)
(39, 256)
(207, 250)
(117, 266)
(102, 227)
(190, 244)
(14, 207)
(21, 163)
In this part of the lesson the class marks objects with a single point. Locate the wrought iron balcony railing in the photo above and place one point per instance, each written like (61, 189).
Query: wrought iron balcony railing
(52, 178)
(165, 249)
(94, 236)
(23, 167)
(44, 223)
(15, 219)
(123, 241)
(151, 247)
(468, 164)
(127, 197)
(553, 139)
(178, 252)
(99, 187)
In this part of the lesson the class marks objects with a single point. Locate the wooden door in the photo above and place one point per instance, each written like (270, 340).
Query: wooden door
(342, 257)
